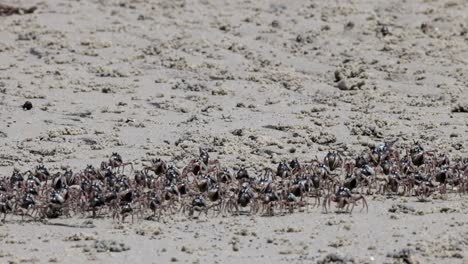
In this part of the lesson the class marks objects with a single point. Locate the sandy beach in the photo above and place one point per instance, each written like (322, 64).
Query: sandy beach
(253, 82)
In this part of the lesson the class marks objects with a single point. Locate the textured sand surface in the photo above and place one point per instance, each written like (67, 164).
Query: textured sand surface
(256, 82)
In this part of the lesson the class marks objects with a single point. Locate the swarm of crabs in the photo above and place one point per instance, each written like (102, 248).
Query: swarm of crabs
(115, 189)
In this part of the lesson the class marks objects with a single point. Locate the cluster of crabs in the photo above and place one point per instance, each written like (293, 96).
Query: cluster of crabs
(203, 185)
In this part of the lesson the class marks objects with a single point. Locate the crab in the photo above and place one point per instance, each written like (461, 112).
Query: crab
(224, 176)
(333, 160)
(444, 175)
(157, 166)
(424, 190)
(316, 191)
(386, 165)
(115, 162)
(322, 175)
(283, 170)
(242, 174)
(366, 176)
(359, 177)
(155, 204)
(172, 174)
(295, 166)
(391, 182)
(268, 195)
(197, 203)
(246, 195)
(201, 165)
(16, 179)
(142, 178)
(124, 204)
(204, 187)
(59, 181)
(216, 196)
(28, 206)
(382, 152)
(361, 160)
(58, 204)
(263, 183)
(299, 187)
(289, 201)
(269, 201)
(418, 155)
(242, 197)
(204, 182)
(41, 173)
(31, 185)
(5, 206)
(442, 159)
(344, 199)
(96, 203)
(67, 178)
(295, 193)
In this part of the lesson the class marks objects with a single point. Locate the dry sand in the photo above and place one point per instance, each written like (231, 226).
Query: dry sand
(254, 81)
